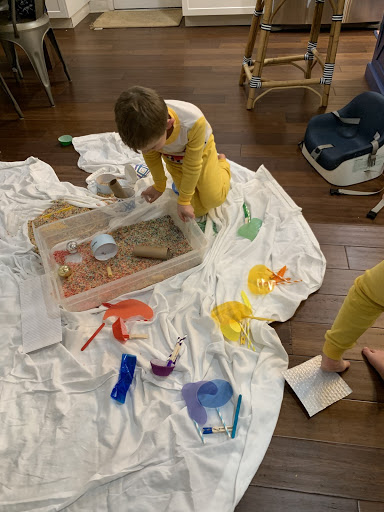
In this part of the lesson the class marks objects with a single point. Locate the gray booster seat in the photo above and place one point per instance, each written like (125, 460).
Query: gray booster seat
(347, 146)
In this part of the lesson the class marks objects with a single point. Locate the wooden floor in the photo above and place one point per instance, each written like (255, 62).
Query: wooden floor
(335, 460)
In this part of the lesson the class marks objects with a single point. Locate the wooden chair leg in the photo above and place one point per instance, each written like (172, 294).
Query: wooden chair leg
(333, 42)
(255, 82)
(314, 35)
(258, 12)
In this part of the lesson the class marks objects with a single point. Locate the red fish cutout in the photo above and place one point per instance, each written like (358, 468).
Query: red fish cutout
(123, 310)
(127, 309)
(120, 331)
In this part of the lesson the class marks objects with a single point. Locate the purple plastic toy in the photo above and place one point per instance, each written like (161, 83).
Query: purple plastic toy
(165, 368)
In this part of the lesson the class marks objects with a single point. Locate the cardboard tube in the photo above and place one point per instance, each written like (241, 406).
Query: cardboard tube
(117, 189)
(151, 251)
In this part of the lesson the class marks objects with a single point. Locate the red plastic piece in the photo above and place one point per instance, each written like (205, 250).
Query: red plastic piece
(119, 330)
(128, 308)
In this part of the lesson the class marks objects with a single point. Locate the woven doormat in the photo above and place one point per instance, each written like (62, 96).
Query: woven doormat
(139, 18)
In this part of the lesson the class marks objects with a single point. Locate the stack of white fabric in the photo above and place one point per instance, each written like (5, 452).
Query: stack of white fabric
(65, 444)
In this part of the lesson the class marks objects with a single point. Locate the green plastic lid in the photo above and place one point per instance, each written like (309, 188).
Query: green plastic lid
(65, 140)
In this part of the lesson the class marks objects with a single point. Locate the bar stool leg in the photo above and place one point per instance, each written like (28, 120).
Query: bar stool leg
(255, 82)
(333, 42)
(258, 12)
(11, 97)
(314, 36)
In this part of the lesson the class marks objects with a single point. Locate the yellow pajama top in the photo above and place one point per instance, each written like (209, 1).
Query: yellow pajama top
(185, 146)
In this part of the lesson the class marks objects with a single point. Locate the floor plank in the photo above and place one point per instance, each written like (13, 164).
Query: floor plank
(338, 281)
(283, 330)
(347, 421)
(370, 506)
(362, 258)
(308, 340)
(262, 499)
(335, 255)
(353, 472)
(319, 308)
(322, 309)
(344, 234)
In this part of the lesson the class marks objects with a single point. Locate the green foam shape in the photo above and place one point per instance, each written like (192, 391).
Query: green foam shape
(251, 229)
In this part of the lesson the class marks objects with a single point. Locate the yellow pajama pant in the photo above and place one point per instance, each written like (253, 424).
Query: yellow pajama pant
(213, 184)
(362, 306)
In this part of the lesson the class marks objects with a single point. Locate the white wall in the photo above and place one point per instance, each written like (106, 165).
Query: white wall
(64, 8)
(101, 5)
(145, 4)
(217, 7)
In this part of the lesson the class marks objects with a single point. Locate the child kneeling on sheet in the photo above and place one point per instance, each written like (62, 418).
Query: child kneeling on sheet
(361, 308)
(178, 132)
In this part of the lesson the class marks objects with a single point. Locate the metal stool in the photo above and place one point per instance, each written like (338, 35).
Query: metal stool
(251, 70)
(11, 97)
(29, 35)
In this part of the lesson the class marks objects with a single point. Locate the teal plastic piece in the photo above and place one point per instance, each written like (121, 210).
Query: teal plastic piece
(251, 229)
(65, 140)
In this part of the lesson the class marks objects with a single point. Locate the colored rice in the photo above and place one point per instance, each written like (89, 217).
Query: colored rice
(91, 273)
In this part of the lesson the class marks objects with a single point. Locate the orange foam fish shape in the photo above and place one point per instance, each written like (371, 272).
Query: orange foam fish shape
(127, 309)
(122, 311)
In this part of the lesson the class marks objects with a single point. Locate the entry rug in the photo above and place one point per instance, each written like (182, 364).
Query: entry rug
(139, 18)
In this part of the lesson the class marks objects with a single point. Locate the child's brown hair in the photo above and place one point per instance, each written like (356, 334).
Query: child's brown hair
(141, 117)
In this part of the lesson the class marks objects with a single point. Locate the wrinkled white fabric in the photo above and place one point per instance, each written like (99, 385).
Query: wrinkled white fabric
(66, 445)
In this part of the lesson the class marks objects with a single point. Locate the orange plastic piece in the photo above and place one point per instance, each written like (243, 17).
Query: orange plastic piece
(127, 309)
(120, 331)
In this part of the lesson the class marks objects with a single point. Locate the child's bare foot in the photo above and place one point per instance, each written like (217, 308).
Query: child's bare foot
(221, 156)
(376, 358)
(331, 365)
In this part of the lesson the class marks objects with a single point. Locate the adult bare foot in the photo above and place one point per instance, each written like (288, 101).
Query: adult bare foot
(221, 156)
(331, 365)
(376, 358)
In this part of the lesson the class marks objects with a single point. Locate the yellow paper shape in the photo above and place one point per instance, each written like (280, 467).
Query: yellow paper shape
(260, 280)
(229, 312)
(246, 300)
(231, 331)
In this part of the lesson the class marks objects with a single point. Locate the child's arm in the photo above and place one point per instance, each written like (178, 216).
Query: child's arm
(155, 165)
(192, 162)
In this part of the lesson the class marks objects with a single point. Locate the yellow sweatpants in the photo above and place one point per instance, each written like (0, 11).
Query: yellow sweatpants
(213, 185)
(362, 306)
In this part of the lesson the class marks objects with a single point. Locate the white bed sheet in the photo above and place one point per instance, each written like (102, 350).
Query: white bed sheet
(64, 443)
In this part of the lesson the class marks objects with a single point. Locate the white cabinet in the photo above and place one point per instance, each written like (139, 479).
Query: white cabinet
(67, 13)
(64, 8)
(292, 12)
(217, 7)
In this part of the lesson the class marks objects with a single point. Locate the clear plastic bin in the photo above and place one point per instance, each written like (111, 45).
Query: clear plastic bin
(85, 226)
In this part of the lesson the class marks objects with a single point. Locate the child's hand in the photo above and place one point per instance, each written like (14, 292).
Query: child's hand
(185, 212)
(150, 194)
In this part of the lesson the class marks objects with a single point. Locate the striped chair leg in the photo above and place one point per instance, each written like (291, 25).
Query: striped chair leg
(255, 82)
(333, 42)
(314, 35)
(257, 14)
